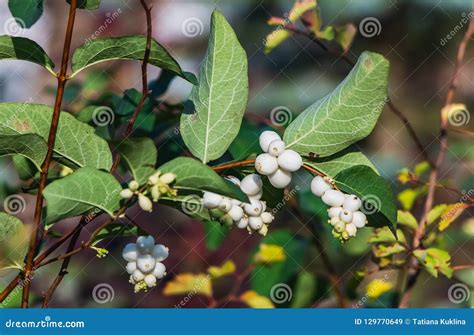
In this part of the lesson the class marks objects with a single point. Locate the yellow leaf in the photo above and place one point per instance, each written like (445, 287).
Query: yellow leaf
(451, 213)
(404, 176)
(377, 287)
(275, 38)
(254, 300)
(223, 270)
(421, 168)
(189, 283)
(300, 7)
(270, 253)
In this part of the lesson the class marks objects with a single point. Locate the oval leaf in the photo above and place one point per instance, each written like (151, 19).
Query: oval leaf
(31, 146)
(192, 174)
(80, 192)
(345, 116)
(220, 96)
(140, 156)
(125, 48)
(26, 12)
(76, 144)
(21, 48)
(375, 192)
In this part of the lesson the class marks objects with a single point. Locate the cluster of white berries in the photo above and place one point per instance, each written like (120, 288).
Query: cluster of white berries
(158, 185)
(251, 216)
(144, 262)
(344, 212)
(277, 162)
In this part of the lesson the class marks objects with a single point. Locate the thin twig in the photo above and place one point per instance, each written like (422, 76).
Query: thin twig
(62, 79)
(233, 165)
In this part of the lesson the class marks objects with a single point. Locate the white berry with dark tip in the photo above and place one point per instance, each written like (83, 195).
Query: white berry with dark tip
(266, 164)
(276, 148)
(266, 138)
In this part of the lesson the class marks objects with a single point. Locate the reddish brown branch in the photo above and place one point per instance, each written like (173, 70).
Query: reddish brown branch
(233, 165)
(62, 79)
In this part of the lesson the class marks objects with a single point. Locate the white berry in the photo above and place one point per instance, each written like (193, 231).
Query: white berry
(133, 185)
(290, 160)
(226, 204)
(159, 271)
(211, 200)
(130, 252)
(126, 193)
(243, 222)
(267, 217)
(345, 216)
(280, 179)
(319, 186)
(334, 211)
(160, 252)
(339, 227)
(257, 196)
(146, 263)
(251, 184)
(150, 280)
(276, 148)
(131, 267)
(137, 276)
(266, 137)
(352, 203)
(359, 219)
(145, 203)
(145, 244)
(254, 208)
(351, 229)
(266, 164)
(334, 220)
(255, 222)
(333, 198)
(236, 213)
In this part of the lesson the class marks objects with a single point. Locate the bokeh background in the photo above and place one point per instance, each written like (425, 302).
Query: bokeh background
(291, 78)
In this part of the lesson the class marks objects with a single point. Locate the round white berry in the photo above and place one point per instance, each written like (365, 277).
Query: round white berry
(334, 220)
(127, 193)
(276, 148)
(333, 198)
(255, 222)
(211, 200)
(243, 222)
(236, 213)
(130, 252)
(267, 217)
(159, 271)
(131, 267)
(266, 164)
(160, 252)
(280, 179)
(345, 216)
(257, 196)
(319, 186)
(351, 229)
(266, 137)
(150, 280)
(352, 203)
(359, 219)
(254, 208)
(145, 244)
(251, 184)
(334, 212)
(145, 203)
(137, 276)
(146, 263)
(226, 204)
(290, 160)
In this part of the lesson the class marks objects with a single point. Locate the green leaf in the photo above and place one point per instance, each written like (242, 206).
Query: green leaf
(24, 167)
(220, 97)
(215, 234)
(408, 196)
(435, 213)
(264, 277)
(76, 144)
(345, 116)
(407, 219)
(26, 12)
(435, 260)
(140, 155)
(385, 235)
(378, 201)
(86, 4)
(30, 146)
(125, 48)
(382, 250)
(304, 290)
(336, 163)
(9, 226)
(192, 174)
(21, 48)
(345, 35)
(80, 192)
(118, 229)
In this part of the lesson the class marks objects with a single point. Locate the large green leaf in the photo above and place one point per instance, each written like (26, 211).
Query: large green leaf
(345, 116)
(76, 144)
(87, 4)
(378, 201)
(21, 48)
(140, 156)
(9, 226)
(334, 164)
(31, 146)
(13, 244)
(192, 174)
(80, 192)
(26, 12)
(220, 96)
(125, 48)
